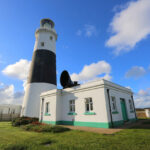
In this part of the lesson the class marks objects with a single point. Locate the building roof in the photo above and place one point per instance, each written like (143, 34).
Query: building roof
(89, 85)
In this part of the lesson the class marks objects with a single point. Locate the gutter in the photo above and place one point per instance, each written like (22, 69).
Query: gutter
(134, 106)
(111, 119)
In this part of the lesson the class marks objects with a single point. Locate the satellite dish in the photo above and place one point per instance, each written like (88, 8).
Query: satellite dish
(66, 81)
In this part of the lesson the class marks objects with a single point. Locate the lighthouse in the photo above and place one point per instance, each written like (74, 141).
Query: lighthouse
(42, 74)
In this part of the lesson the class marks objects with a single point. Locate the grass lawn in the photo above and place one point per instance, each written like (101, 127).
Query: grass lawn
(15, 138)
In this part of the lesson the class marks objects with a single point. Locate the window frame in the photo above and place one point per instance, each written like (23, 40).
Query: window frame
(113, 104)
(47, 108)
(72, 108)
(89, 104)
(131, 105)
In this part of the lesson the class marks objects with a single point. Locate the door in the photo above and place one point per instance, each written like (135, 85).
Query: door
(123, 108)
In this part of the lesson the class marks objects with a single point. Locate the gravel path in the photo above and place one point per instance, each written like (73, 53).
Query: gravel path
(91, 129)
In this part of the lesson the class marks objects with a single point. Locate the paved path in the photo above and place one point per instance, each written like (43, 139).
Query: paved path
(91, 129)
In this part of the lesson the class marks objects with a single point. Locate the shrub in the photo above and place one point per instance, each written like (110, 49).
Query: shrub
(45, 128)
(23, 121)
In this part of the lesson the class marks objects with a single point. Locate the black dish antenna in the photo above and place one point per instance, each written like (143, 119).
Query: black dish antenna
(66, 81)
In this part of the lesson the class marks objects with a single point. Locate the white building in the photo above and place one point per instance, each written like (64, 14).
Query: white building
(9, 111)
(100, 103)
(147, 112)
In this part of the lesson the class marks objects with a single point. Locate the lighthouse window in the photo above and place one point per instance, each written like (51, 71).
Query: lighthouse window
(42, 43)
(88, 104)
(51, 38)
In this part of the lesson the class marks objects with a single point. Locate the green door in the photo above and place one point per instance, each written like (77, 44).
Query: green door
(124, 111)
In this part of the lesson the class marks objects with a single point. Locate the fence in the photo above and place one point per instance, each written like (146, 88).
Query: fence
(8, 117)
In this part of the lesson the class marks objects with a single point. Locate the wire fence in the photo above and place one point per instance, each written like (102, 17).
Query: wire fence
(8, 117)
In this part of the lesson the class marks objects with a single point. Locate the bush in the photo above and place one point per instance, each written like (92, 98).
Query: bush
(45, 128)
(23, 121)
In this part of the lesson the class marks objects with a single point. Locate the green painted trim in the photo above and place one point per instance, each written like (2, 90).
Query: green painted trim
(89, 124)
(49, 122)
(47, 114)
(78, 123)
(118, 123)
(72, 113)
(89, 113)
(115, 112)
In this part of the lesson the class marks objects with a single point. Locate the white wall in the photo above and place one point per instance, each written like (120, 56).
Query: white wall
(99, 106)
(119, 93)
(52, 99)
(31, 102)
(43, 35)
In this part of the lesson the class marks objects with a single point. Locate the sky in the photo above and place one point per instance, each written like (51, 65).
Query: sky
(96, 39)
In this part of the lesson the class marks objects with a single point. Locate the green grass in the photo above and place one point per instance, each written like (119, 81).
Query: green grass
(15, 138)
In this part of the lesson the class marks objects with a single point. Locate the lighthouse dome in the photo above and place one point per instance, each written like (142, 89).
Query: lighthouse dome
(48, 23)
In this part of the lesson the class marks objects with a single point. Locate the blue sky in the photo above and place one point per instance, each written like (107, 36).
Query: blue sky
(113, 33)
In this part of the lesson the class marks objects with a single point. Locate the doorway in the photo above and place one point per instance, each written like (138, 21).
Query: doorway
(124, 110)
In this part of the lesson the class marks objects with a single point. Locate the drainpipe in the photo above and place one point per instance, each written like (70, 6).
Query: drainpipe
(134, 106)
(42, 110)
(110, 108)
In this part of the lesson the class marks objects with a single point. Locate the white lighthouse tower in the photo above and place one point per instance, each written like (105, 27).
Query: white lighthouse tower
(42, 75)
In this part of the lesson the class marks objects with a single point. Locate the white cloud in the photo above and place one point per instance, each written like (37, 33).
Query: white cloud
(93, 71)
(88, 30)
(129, 87)
(129, 26)
(142, 98)
(18, 70)
(135, 72)
(8, 96)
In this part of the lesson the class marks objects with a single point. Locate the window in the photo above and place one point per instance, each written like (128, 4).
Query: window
(51, 38)
(114, 107)
(42, 43)
(130, 105)
(72, 105)
(47, 108)
(88, 104)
